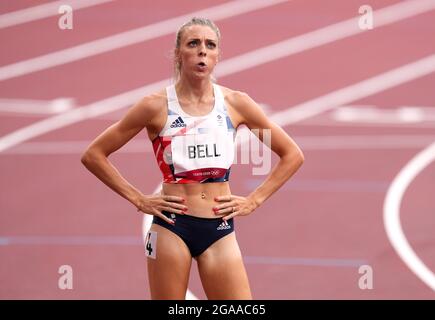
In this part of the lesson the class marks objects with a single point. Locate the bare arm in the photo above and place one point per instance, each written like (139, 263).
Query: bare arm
(95, 158)
(291, 157)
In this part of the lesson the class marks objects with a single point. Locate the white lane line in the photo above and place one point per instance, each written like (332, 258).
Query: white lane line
(79, 114)
(39, 107)
(59, 147)
(316, 143)
(230, 67)
(123, 39)
(364, 142)
(334, 32)
(392, 223)
(371, 86)
(372, 114)
(43, 11)
(331, 123)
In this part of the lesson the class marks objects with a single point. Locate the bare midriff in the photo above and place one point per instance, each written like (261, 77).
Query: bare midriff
(199, 196)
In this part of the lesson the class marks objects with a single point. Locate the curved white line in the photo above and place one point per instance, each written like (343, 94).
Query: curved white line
(392, 214)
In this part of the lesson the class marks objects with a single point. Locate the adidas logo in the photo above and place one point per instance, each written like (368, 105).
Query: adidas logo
(178, 123)
(219, 119)
(223, 226)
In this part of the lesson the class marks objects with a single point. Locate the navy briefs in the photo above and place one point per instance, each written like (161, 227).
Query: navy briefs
(196, 232)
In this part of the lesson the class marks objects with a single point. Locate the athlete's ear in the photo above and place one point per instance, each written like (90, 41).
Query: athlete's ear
(176, 55)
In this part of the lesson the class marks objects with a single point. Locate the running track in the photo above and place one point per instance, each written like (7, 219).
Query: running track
(309, 239)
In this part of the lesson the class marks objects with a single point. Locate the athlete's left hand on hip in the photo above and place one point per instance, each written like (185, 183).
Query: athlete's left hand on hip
(233, 205)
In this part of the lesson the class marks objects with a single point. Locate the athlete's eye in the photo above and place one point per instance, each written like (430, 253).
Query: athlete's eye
(192, 43)
(211, 45)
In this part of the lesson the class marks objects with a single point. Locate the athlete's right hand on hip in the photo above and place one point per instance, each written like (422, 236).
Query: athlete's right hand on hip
(156, 203)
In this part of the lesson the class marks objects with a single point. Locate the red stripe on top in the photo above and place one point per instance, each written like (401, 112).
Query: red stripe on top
(159, 146)
(183, 131)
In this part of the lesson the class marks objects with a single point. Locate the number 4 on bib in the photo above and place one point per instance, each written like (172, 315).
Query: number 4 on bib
(151, 244)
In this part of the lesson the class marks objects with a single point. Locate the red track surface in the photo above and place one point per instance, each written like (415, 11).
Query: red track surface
(330, 213)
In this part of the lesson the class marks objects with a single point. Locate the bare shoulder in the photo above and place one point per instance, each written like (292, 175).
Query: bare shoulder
(236, 99)
(244, 108)
(150, 106)
(148, 112)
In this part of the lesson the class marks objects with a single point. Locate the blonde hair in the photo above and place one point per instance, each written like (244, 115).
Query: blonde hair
(192, 22)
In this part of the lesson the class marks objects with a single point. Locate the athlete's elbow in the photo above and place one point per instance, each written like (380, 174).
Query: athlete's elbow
(85, 158)
(300, 157)
(88, 157)
(295, 158)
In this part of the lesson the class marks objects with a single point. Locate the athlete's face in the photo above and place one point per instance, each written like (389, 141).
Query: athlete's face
(198, 52)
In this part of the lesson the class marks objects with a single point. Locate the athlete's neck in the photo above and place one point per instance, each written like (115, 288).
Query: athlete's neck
(194, 90)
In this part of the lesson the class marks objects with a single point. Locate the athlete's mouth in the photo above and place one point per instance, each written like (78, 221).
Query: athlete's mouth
(202, 64)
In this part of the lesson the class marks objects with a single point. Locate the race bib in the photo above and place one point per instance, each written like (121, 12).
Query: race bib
(214, 149)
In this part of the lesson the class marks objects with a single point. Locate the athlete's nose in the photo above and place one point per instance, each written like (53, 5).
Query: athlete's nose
(202, 50)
